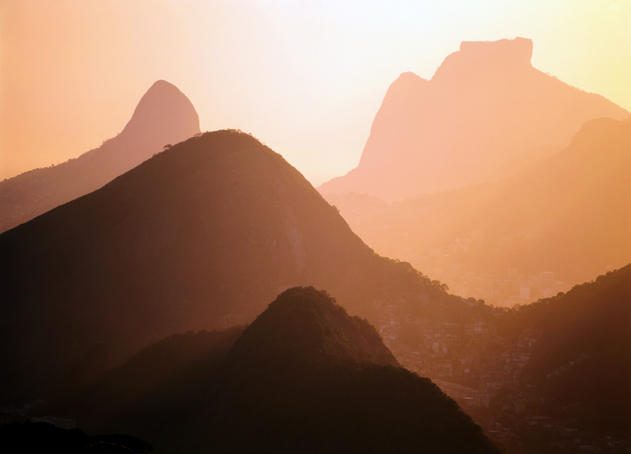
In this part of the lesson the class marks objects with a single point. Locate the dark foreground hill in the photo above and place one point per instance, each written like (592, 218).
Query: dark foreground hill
(303, 377)
(581, 365)
(163, 116)
(555, 376)
(199, 236)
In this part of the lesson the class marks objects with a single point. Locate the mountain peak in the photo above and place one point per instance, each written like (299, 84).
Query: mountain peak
(163, 106)
(518, 48)
(163, 116)
(506, 54)
(306, 325)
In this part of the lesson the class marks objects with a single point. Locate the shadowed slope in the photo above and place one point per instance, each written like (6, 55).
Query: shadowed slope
(163, 116)
(303, 377)
(200, 236)
(581, 367)
(486, 113)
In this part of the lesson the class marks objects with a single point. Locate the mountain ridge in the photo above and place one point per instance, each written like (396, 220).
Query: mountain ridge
(164, 115)
(272, 391)
(486, 112)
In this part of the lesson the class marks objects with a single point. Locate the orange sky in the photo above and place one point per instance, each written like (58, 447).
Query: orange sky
(304, 77)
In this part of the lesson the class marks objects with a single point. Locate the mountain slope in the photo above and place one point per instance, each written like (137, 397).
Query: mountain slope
(486, 112)
(580, 367)
(163, 116)
(199, 236)
(560, 222)
(303, 377)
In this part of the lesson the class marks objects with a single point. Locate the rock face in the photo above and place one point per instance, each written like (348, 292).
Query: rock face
(303, 377)
(163, 116)
(486, 112)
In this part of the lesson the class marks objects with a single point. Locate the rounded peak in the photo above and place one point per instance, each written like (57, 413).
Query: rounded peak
(599, 133)
(407, 82)
(409, 77)
(307, 325)
(164, 109)
(222, 142)
(162, 84)
(503, 54)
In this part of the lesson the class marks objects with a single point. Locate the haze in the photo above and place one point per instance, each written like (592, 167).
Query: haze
(307, 78)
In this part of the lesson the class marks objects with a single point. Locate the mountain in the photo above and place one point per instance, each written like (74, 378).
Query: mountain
(303, 377)
(200, 236)
(486, 112)
(163, 116)
(559, 222)
(567, 371)
(580, 367)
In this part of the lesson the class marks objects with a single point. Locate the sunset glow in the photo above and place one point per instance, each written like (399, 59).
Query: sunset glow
(306, 78)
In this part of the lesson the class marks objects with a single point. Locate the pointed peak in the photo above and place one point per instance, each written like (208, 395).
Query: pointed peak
(161, 83)
(405, 87)
(409, 77)
(307, 325)
(408, 80)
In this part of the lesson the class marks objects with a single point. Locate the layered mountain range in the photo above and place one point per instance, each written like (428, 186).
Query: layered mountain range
(486, 112)
(202, 236)
(163, 116)
(303, 377)
(199, 236)
(560, 222)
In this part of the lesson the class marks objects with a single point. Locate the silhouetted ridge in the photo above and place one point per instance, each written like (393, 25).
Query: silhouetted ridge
(163, 116)
(485, 113)
(304, 324)
(580, 369)
(474, 56)
(293, 382)
(200, 236)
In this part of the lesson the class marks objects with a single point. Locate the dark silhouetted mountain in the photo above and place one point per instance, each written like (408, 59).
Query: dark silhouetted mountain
(318, 329)
(558, 380)
(560, 222)
(200, 236)
(581, 366)
(486, 112)
(42, 437)
(163, 116)
(303, 377)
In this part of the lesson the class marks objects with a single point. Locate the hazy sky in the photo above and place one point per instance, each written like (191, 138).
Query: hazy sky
(305, 77)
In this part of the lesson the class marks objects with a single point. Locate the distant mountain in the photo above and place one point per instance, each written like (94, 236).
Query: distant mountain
(163, 116)
(303, 377)
(560, 222)
(200, 236)
(486, 112)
